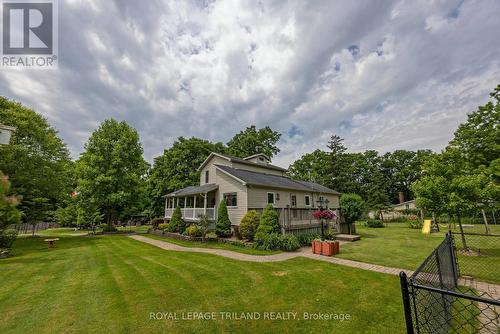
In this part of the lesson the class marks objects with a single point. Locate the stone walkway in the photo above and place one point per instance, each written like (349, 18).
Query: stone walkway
(304, 252)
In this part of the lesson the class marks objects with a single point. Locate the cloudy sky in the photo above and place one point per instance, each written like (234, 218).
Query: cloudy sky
(384, 75)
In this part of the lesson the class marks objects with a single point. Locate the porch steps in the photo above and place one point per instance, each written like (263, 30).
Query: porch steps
(347, 237)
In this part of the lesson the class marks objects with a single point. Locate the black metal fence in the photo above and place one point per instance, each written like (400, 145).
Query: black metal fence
(437, 300)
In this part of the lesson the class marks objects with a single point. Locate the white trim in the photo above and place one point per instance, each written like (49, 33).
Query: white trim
(257, 155)
(305, 202)
(210, 157)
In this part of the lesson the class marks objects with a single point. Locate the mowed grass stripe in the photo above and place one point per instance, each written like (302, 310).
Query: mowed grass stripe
(111, 283)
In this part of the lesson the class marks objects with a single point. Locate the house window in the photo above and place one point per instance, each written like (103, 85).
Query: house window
(270, 198)
(230, 199)
(293, 200)
(407, 206)
(307, 199)
(206, 176)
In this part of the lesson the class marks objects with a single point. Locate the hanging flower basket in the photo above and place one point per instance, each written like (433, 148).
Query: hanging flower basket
(326, 215)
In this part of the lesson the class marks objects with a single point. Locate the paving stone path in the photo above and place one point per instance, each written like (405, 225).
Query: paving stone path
(304, 252)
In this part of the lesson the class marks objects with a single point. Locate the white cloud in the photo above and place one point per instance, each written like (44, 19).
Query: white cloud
(385, 76)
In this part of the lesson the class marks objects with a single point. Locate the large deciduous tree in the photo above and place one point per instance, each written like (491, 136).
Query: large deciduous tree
(177, 168)
(252, 141)
(110, 170)
(36, 161)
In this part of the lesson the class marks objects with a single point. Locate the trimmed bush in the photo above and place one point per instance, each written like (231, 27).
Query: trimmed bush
(414, 224)
(211, 236)
(163, 226)
(194, 231)
(374, 223)
(306, 239)
(223, 224)
(249, 225)
(269, 221)
(7, 238)
(176, 223)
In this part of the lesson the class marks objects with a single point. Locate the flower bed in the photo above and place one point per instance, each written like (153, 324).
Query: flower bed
(178, 236)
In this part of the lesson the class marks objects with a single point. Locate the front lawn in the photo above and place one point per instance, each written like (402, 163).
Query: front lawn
(112, 283)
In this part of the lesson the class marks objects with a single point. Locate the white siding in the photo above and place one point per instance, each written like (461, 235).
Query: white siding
(229, 185)
(210, 166)
(257, 198)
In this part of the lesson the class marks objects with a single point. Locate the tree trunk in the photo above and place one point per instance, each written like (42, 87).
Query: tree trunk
(462, 233)
(486, 226)
(434, 221)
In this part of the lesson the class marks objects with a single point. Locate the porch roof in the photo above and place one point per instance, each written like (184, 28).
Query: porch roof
(193, 190)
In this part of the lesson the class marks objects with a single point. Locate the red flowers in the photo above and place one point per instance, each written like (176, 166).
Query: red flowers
(326, 214)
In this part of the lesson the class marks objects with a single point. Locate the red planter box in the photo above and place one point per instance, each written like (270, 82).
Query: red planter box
(316, 246)
(336, 248)
(327, 248)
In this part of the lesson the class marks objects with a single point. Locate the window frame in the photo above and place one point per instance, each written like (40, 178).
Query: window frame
(307, 198)
(274, 197)
(293, 201)
(235, 197)
(207, 175)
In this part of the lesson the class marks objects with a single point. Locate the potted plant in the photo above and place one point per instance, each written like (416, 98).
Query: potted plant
(316, 246)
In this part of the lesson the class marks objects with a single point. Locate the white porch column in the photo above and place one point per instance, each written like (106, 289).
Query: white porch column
(194, 206)
(205, 204)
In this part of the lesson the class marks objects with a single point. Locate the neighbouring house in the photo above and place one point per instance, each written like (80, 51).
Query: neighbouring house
(396, 211)
(250, 183)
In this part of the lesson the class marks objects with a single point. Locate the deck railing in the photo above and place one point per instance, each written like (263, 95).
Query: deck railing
(192, 213)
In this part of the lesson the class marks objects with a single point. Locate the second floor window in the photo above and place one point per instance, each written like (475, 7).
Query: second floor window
(206, 176)
(307, 199)
(230, 199)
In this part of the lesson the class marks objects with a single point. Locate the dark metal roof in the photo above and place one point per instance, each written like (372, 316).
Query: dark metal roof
(193, 190)
(268, 180)
(240, 160)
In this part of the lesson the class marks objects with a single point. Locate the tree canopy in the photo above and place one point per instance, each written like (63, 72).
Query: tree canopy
(177, 167)
(36, 160)
(111, 169)
(252, 141)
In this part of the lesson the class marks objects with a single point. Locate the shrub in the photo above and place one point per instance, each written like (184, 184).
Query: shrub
(176, 223)
(156, 222)
(266, 241)
(223, 224)
(163, 226)
(374, 223)
(269, 221)
(289, 242)
(249, 225)
(274, 241)
(203, 224)
(351, 207)
(415, 224)
(108, 228)
(7, 238)
(307, 238)
(211, 236)
(194, 231)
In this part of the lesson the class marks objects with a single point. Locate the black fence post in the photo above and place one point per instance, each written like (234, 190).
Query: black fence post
(454, 261)
(406, 302)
